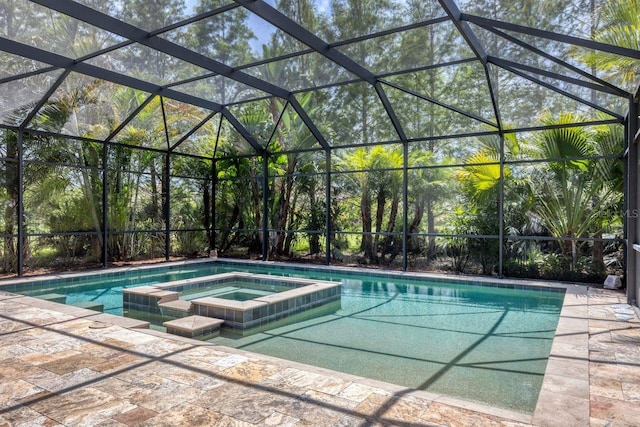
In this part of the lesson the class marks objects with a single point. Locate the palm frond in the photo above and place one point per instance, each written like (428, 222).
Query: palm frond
(482, 174)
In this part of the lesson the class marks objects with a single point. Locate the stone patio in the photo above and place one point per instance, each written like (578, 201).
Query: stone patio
(67, 366)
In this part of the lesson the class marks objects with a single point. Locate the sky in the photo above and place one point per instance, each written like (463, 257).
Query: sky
(261, 28)
(322, 5)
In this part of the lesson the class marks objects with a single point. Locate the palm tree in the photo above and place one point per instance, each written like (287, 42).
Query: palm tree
(572, 196)
(480, 179)
(619, 26)
(380, 178)
(426, 186)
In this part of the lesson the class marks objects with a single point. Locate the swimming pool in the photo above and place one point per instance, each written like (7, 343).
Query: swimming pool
(484, 343)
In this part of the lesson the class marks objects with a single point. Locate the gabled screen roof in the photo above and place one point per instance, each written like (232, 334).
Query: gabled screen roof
(348, 73)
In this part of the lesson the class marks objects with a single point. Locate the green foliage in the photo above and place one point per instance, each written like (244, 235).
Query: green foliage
(569, 196)
(481, 176)
(553, 266)
(572, 196)
(464, 249)
(619, 25)
(226, 39)
(567, 143)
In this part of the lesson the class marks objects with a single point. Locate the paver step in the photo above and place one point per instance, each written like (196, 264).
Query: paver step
(197, 327)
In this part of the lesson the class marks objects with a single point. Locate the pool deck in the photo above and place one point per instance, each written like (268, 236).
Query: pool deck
(67, 366)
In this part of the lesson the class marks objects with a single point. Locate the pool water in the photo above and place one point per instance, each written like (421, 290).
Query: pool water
(236, 291)
(107, 289)
(484, 343)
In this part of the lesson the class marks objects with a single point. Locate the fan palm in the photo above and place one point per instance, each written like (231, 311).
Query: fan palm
(620, 26)
(382, 178)
(573, 194)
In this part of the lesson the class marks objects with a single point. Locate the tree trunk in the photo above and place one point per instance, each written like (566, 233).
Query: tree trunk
(388, 247)
(365, 213)
(257, 204)
(155, 206)
(284, 208)
(314, 239)
(90, 181)
(288, 241)
(429, 199)
(381, 202)
(224, 246)
(206, 220)
(164, 183)
(11, 211)
(132, 218)
(431, 228)
(414, 246)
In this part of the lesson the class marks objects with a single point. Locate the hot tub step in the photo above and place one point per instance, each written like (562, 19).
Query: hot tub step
(197, 327)
(178, 308)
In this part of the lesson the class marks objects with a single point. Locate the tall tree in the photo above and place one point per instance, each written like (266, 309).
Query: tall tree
(421, 46)
(223, 37)
(150, 16)
(375, 175)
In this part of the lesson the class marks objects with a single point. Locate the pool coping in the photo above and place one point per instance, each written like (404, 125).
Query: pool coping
(563, 397)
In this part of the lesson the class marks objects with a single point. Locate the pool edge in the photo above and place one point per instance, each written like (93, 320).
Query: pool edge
(564, 395)
(561, 396)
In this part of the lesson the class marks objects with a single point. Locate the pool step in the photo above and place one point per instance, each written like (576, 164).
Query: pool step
(197, 327)
(53, 298)
(89, 305)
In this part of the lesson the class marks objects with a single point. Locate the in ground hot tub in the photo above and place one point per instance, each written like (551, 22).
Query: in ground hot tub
(246, 302)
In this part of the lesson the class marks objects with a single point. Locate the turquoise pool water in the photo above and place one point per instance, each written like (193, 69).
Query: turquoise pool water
(484, 343)
(236, 291)
(107, 288)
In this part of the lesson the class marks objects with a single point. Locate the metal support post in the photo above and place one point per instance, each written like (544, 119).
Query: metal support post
(167, 209)
(405, 207)
(631, 215)
(327, 204)
(265, 206)
(214, 186)
(501, 211)
(105, 205)
(20, 208)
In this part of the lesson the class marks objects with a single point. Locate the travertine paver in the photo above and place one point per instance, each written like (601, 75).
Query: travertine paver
(614, 360)
(58, 368)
